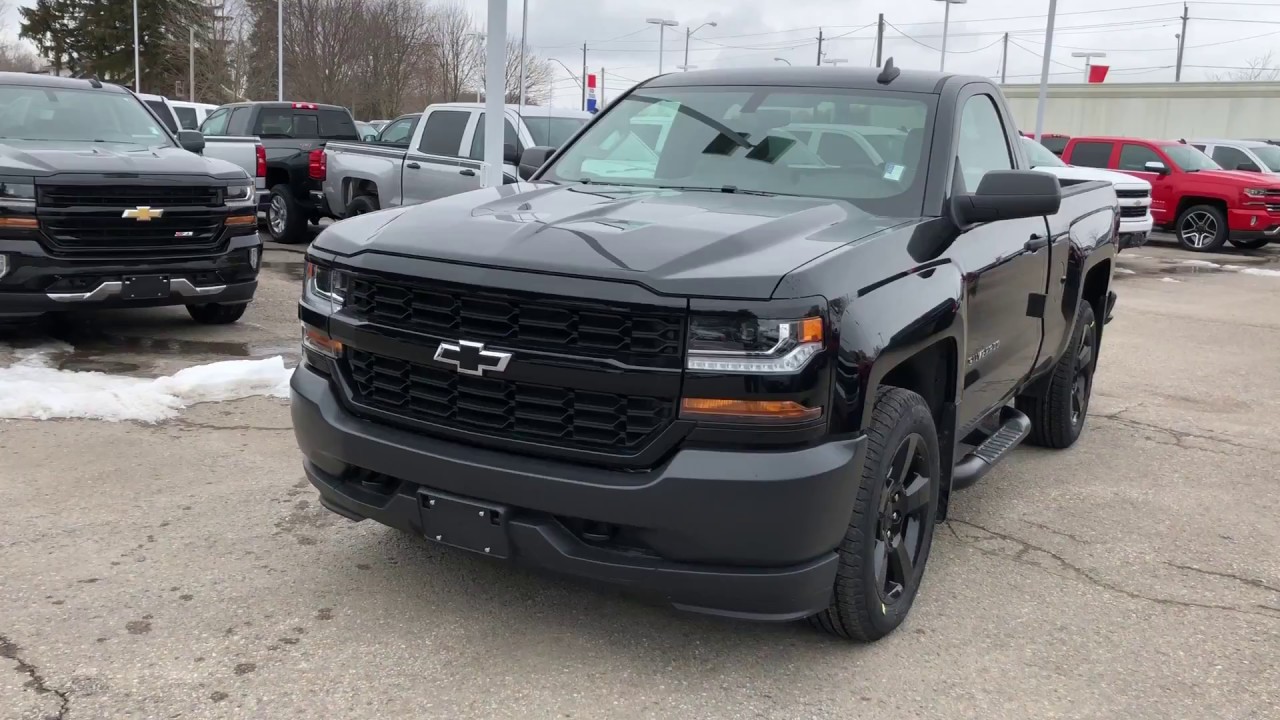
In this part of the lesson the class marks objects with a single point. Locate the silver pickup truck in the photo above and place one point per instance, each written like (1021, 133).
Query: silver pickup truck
(444, 156)
(245, 152)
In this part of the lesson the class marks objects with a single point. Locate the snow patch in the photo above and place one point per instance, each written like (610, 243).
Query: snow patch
(1169, 280)
(1125, 271)
(31, 389)
(1260, 271)
(1199, 263)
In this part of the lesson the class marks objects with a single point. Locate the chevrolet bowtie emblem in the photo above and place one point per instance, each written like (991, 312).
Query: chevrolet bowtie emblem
(143, 213)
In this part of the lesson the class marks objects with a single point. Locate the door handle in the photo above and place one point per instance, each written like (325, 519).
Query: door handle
(1036, 243)
(468, 172)
(413, 166)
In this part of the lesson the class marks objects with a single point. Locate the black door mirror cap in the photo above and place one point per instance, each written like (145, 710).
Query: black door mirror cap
(191, 140)
(1008, 195)
(533, 158)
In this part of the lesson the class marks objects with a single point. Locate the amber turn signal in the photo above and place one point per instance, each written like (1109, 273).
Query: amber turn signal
(241, 220)
(25, 223)
(811, 330)
(747, 410)
(319, 341)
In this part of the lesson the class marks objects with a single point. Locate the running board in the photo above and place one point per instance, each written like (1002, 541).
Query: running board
(1014, 428)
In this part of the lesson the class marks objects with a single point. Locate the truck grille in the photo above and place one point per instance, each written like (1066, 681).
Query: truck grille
(1132, 193)
(128, 196)
(544, 414)
(631, 334)
(89, 219)
(1133, 212)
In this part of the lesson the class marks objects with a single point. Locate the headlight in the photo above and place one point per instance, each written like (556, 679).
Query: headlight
(239, 193)
(18, 193)
(325, 285)
(752, 345)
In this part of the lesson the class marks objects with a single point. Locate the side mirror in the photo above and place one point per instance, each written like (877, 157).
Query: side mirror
(510, 155)
(1248, 167)
(1008, 195)
(533, 159)
(191, 140)
(1158, 168)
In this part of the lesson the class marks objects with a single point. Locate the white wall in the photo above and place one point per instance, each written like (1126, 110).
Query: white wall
(1164, 111)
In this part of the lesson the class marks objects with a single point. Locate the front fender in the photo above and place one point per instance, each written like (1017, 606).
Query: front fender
(882, 327)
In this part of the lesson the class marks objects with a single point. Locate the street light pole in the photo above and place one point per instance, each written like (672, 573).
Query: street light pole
(524, 43)
(137, 63)
(833, 62)
(279, 50)
(689, 34)
(1043, 96)
(783, 60)
(191, 67)
(946, 23)
(1088, 57)
(662, 27)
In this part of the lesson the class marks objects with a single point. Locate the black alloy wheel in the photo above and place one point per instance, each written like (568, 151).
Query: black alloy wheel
(906, 511)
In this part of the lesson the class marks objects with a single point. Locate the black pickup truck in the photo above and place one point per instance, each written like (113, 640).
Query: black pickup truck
(740, 365)
(294, 135)
(101, 207)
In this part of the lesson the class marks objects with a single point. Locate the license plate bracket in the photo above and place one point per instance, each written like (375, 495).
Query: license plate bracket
(145, 287)
(473, 525)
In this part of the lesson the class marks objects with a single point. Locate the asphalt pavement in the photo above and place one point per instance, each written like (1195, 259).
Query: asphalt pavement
(185, 570)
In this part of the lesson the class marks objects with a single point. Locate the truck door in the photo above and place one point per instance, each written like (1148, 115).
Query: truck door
(435, 167)
(1133, 161)
(1004, 265)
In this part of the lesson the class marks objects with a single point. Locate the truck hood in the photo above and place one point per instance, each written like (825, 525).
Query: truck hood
(37, 158)
(693, 243)
(1236, 178)
(1072, 172)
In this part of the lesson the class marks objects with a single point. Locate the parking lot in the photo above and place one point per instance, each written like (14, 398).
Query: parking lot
(185, 569)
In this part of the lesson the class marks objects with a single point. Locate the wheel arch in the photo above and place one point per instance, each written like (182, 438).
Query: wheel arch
(1187, 201)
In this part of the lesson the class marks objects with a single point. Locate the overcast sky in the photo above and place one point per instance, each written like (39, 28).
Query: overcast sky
(1137, 35)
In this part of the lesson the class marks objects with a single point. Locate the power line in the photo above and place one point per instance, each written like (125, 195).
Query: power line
(1038, 55)
(949, 52)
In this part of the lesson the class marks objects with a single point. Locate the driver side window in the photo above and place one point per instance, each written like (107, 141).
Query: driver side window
(983, 145)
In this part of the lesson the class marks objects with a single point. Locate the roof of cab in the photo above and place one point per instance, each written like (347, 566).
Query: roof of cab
(913, 81)
(53, 81)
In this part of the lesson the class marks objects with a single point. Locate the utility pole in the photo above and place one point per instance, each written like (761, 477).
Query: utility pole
(1042, 98)
(601, 105)
(191, 69)
(1004, 58)
(879, 39)
(584, 76)
(1182, 43)
(819, 63)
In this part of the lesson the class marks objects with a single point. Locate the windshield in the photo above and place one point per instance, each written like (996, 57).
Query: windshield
(1189, 158)
(1039, 155)
(552, 131)
(738, 139)
(1269, 155)
(67, 114)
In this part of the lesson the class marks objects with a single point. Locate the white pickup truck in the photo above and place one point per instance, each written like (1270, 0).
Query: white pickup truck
(444, 156)
(1133, 193)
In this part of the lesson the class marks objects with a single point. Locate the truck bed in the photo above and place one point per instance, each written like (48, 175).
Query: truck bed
(352, 163)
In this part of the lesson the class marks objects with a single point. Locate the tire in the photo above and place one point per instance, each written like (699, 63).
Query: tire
(1201, 228)
(1250, 244)
(1058, 417)
(217, 313)
(898, 499)
(286, 221)
(361, 204)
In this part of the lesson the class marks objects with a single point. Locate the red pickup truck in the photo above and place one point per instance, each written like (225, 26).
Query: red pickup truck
(1191, 195)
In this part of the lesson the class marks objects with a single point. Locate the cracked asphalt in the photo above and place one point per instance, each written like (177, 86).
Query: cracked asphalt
(185, 570)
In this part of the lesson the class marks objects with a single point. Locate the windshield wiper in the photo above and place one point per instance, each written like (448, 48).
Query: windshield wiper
(728, 189)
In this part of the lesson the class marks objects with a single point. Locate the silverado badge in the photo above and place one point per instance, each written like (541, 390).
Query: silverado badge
(143, 213)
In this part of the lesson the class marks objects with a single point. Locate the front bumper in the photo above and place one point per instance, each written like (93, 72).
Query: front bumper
(1253, 224)
(741, 534)
(38, 282)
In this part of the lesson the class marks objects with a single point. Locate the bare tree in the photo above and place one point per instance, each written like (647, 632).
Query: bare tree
(458, 51)
(1259, 69)
(15, 56)
(537, 75)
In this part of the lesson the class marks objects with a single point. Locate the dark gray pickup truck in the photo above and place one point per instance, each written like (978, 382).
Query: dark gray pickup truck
(708, 353)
